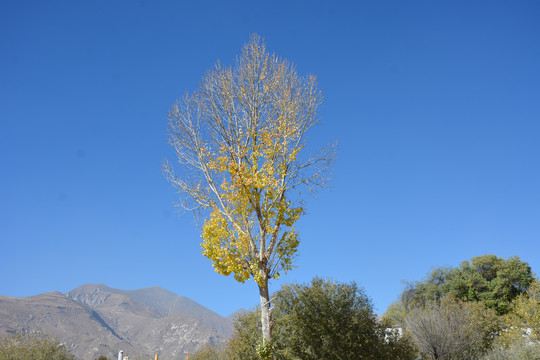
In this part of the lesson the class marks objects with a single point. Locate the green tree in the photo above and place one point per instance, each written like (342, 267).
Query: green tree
(32, 346)
(494, 281)
(395, 314)
(323, 320)
(462, 310)
(239, 142)
(246, 337)
(327, 320)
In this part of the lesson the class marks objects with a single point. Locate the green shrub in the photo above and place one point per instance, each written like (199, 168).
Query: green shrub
(207, 352)
(320, 320)
(32, 346)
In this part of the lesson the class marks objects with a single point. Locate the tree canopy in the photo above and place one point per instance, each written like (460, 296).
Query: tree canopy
(239, 142)
(492, 280)
(468, 311)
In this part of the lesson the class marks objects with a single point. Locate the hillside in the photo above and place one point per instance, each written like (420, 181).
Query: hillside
(95, 319)
(83, 330)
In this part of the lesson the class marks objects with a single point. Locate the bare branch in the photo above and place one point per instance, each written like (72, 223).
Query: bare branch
(239, 143)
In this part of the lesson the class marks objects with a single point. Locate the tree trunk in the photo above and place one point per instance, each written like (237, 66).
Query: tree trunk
(265, 313)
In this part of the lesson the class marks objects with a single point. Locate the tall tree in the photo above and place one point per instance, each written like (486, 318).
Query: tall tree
(239, 142)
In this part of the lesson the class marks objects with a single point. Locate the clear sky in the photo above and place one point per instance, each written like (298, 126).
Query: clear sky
(435, 104)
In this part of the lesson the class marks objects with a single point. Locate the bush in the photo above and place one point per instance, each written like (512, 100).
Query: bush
(32, 346)
(320, 320)
(207, 352)
(444, 331)
(247, 331)
(517, 351)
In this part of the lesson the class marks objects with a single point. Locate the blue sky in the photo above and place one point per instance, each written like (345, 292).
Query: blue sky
(436, 107)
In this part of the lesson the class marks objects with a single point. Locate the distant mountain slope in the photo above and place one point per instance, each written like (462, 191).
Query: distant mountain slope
(156, 299)
(80, 328)
(234, 315)
(98, 320)
(155, 319)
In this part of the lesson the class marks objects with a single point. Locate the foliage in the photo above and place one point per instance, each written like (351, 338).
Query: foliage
(246, 336)
(486, 322)
(32, 346)
(494, 281)
(521, 350)
(397, 345)
(445, 330)
(322, 320)
(463, 312)
(242, 134)
(239, 141)
(265, 350)
(395, 314)
(207, 352)
(326, 320)
(523, 321)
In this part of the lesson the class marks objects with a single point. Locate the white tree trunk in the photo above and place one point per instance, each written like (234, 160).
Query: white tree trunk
(265, 313)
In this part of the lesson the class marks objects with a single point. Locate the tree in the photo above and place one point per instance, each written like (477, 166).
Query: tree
(244, 342)
(239, 142)
(395, 314)
(32, 346)
(445, 331)
(322, 320)
(328, 320)
(488, 294)
(494, 281)
(490, 279)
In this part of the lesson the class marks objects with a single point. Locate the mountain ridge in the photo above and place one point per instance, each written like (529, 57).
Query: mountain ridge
(95, 319)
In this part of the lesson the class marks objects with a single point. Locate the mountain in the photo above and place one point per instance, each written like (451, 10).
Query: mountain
(234, 315)
(95, 320)
(155, 301)
(82, 330)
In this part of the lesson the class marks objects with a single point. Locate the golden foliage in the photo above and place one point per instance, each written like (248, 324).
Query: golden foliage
(523, 320)
(239, 140)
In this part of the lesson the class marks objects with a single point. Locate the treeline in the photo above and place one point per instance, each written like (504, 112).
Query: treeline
(488, 308)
